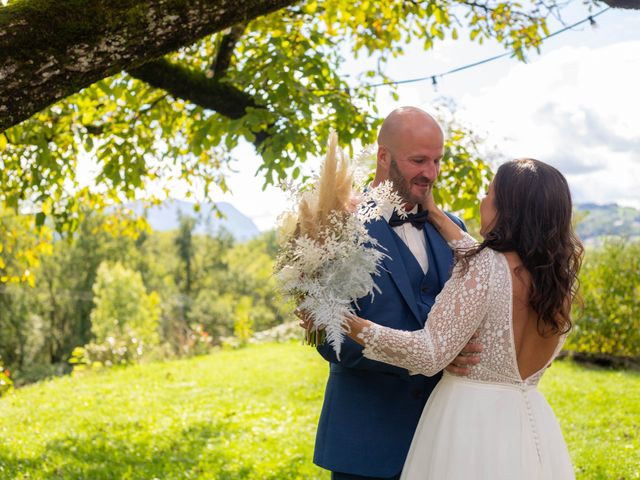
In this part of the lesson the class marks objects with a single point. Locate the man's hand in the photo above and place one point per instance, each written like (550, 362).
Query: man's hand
(470, 355)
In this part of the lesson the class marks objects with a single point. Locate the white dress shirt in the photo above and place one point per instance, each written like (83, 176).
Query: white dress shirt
(414, 239)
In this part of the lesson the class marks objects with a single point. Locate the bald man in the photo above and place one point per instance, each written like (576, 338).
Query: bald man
(371, 409)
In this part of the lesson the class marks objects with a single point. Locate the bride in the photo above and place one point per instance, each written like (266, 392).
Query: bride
(515, 290)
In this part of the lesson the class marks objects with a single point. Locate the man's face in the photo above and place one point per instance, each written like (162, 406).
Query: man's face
(413, 172)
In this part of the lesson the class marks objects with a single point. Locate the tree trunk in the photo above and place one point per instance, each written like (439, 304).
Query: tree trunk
(50, 49)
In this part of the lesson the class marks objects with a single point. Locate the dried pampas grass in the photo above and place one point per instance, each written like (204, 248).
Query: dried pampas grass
(327, 259)
(331, 196)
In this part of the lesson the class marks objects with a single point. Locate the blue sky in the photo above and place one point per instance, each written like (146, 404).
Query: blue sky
(575, 105)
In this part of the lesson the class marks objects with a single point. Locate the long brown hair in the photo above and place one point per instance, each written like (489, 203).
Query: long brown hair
(533, 218)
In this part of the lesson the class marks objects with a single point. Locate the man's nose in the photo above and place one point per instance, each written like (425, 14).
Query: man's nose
(430, 171)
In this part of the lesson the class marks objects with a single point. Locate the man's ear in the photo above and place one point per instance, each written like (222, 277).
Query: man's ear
(384, 157)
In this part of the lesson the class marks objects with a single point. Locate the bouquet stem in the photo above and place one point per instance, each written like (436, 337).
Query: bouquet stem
(314, 337)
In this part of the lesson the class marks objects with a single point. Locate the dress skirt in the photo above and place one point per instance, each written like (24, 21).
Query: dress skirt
(487, 431)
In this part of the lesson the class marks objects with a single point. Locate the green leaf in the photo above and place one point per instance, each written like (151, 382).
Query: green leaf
(40, 219)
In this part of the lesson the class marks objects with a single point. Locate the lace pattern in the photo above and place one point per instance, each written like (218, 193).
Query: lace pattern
(478, 299)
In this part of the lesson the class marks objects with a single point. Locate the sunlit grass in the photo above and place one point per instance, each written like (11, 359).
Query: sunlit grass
(252, 414)
(599, 412)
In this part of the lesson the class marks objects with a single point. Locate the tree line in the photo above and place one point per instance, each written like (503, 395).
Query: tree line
(120, 293)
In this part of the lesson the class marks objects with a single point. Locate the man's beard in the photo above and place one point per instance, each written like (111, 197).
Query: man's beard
(401, 185)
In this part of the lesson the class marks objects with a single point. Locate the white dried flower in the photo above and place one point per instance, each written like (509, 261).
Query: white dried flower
(287, 223)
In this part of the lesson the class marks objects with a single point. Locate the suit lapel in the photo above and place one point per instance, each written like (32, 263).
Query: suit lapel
(440, 253)
(381, 231)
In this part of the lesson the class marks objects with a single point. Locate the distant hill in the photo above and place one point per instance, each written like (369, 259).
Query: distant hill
(165, 217)
(607, 220)
(598, 220)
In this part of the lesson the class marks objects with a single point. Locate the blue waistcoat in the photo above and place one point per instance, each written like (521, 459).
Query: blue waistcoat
(371, 409)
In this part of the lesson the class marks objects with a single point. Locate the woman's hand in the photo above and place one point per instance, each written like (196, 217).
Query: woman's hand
(447, 228)
(306, 321)
(428, 203)
(353, 325)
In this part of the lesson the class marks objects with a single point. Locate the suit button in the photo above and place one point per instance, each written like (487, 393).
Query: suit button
(424, 290)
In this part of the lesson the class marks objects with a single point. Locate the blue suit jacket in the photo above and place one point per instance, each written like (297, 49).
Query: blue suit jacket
(371, 409)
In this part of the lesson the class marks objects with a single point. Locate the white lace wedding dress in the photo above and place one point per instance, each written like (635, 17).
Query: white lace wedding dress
(491, 424)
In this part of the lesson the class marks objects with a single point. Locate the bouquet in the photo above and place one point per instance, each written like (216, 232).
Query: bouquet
(327, 259)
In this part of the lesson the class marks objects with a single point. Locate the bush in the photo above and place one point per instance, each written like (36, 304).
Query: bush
(38, 372)
(609, 321)
(214, 312)
(124, 311)
(243, 324)
(113, 351)
(283, 333)
(5, 380)
(199, 342)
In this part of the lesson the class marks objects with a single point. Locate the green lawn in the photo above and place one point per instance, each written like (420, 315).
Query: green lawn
(252, 414)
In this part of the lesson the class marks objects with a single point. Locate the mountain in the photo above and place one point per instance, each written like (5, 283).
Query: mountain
(165, 217)
(607, 220)
(596, 221)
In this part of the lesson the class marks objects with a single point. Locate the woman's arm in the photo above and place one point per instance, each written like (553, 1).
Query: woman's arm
(458, 312)
(447, 227)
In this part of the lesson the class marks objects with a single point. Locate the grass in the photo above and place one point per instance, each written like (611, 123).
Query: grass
(252, 414)
(599, 413)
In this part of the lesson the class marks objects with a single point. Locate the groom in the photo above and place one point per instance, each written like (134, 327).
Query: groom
(371, 409)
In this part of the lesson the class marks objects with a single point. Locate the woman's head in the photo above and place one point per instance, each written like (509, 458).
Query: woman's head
(528, 210)
(528, 202)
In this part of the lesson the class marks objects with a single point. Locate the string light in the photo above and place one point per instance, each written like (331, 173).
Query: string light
(433, 78)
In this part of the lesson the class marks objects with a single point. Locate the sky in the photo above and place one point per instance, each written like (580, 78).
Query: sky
(576, 105)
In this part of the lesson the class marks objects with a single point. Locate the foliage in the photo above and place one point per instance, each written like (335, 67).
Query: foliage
(37, 371)
(123, 308)
(200, 342)
(283, 333)
(252, 413)
(609, 321)
(42, 325)
(237, 275)
(21, 247)
(465, 167)
(287, 68)
(243, 326)
(6, 384)
(63, 296)
(123, 350)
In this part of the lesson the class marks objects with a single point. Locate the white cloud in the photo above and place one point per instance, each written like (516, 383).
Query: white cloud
(576, 108)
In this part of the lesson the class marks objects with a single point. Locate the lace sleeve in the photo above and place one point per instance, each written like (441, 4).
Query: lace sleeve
(456, 315)
(466, 242)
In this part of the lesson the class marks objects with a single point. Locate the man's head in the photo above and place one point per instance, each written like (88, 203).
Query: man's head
(410, 147)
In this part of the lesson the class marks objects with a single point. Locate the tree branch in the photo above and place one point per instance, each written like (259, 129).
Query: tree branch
(630, 4)
(196, 87)
(225, 50)
(51, 49)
